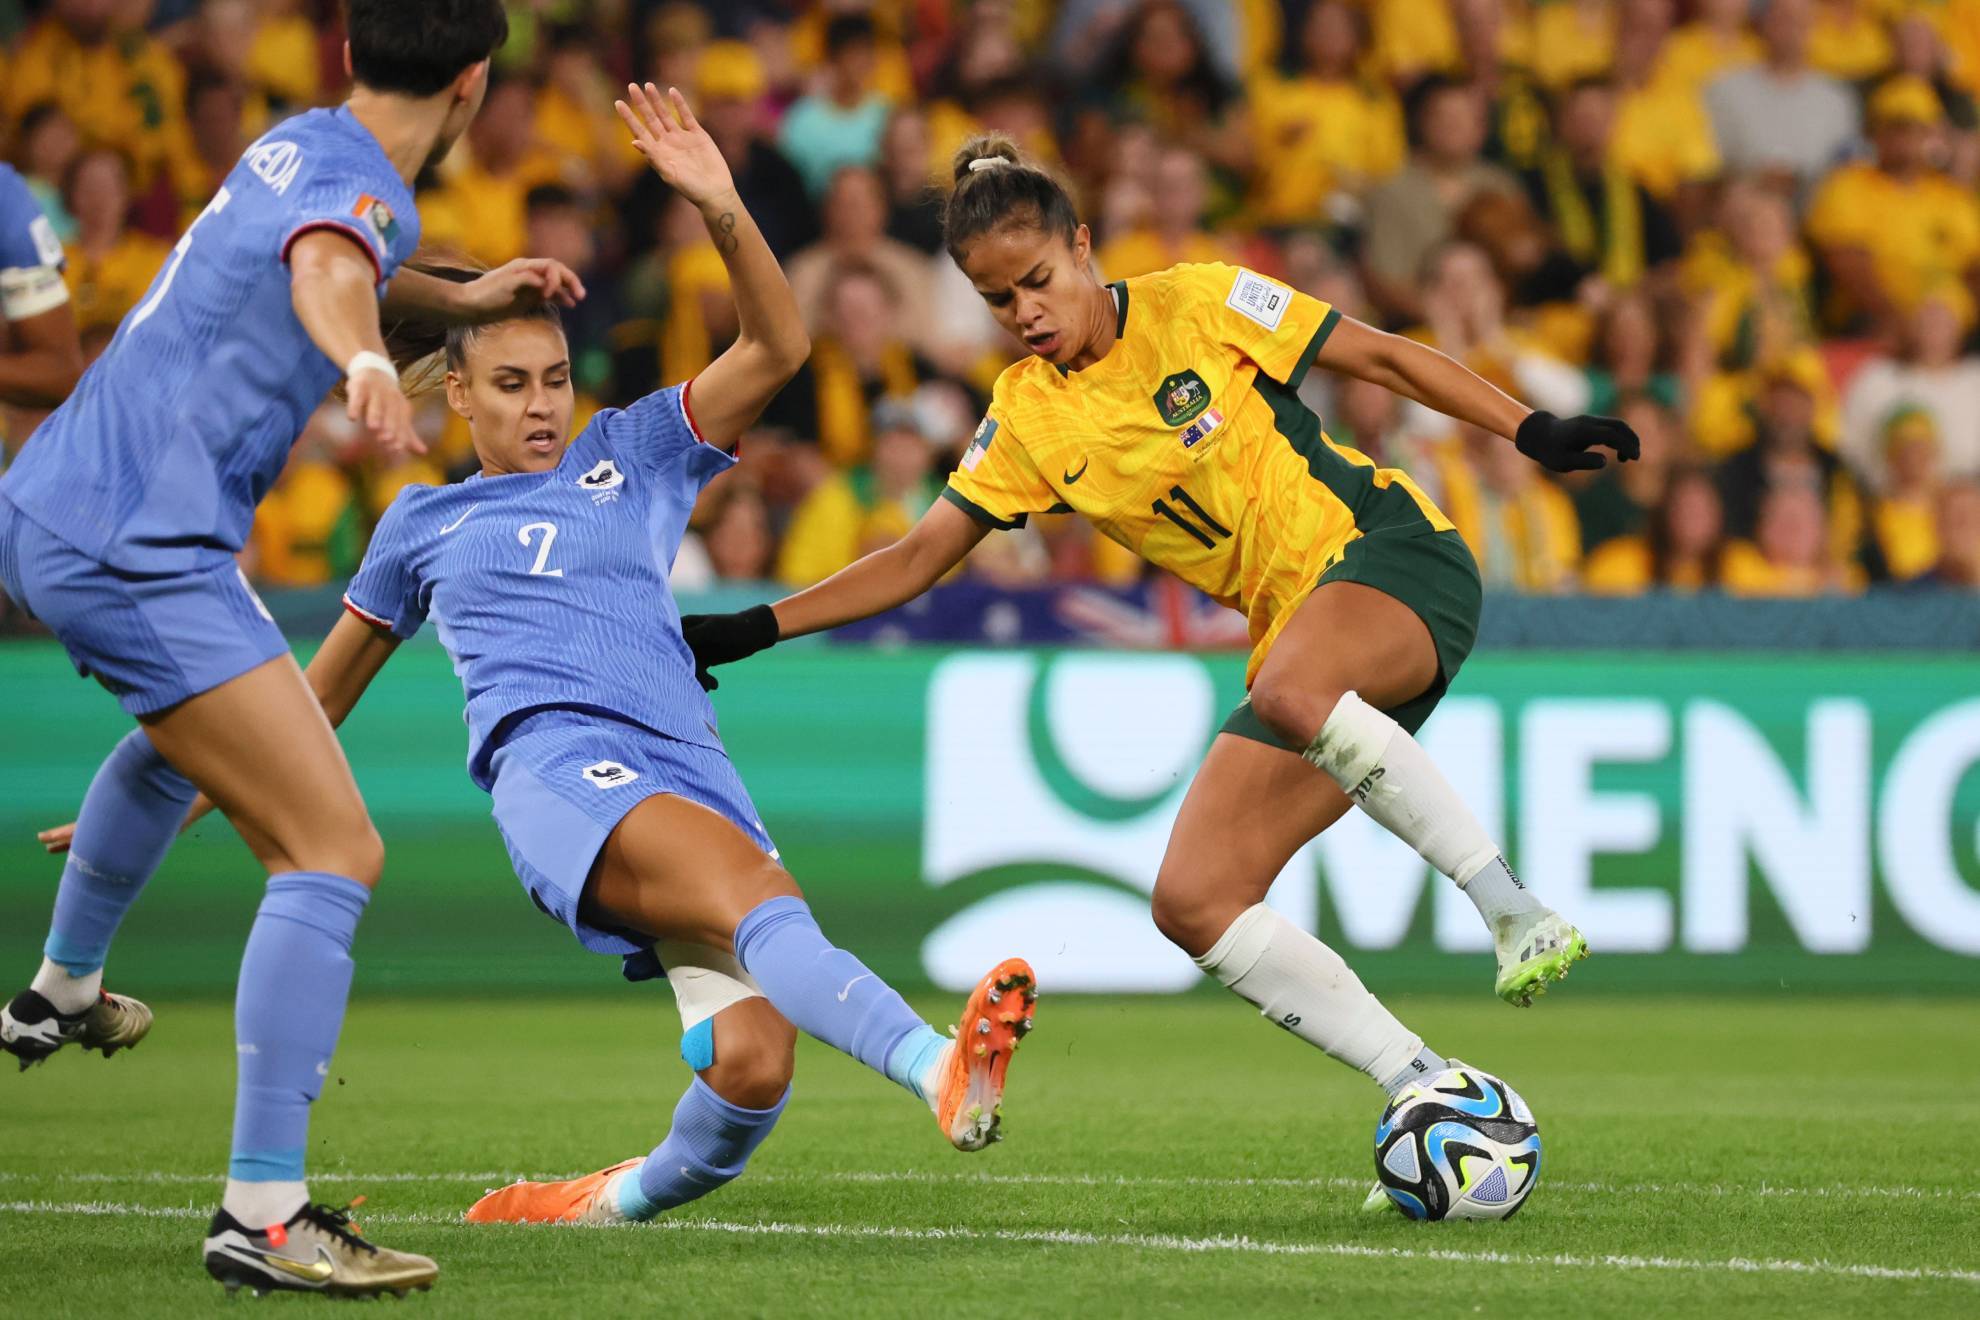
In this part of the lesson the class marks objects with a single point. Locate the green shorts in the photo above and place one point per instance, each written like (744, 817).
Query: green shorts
(1431, 572)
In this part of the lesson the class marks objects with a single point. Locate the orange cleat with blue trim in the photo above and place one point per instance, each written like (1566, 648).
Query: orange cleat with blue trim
(969, 1102)
(578, 1201)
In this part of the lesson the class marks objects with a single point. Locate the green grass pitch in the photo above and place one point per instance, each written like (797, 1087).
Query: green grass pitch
(1780, 1156)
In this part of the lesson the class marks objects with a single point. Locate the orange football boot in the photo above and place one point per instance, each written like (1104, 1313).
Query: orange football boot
(579, 1201)
(997, 1017)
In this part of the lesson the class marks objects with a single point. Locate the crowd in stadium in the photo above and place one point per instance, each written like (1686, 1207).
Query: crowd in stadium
(1749, 229)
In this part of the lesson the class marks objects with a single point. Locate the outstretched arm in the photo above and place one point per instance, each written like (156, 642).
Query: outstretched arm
(1419, 372)
(508, 289)
(338, 674)
(771, 343)
(872, 585)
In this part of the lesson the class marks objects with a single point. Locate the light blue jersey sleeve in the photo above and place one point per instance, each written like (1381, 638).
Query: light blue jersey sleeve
(340, 200)
(657, 437)
(30, 254)
(388, 591)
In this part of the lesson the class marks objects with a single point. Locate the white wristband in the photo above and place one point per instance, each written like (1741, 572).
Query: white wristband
(370, 361)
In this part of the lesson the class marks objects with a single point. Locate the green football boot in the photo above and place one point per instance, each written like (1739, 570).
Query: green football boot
(1535, 950)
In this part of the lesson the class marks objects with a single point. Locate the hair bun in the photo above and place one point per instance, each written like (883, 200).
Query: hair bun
(985, 151)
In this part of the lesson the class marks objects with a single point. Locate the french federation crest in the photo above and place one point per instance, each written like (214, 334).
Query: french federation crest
(1182, 398)
(603, 481)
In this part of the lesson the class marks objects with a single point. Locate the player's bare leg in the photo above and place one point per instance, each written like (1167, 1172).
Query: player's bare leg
(1349, 653)
(674, 869)
(260, 748)
(717, 1126)
(1249, 810)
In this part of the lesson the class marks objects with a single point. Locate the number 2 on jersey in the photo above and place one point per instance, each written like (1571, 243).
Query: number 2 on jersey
(214, 207)
(541, 567)
(1211, 530)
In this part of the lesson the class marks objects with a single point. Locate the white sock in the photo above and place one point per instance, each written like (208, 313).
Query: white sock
(258, 1204)
(69, 993)
(1303, 985)
(1393, 779)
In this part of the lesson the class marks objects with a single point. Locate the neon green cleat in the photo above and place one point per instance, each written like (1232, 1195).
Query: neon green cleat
(1535, 950)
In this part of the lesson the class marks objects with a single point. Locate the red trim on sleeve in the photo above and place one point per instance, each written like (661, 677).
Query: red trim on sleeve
(734, 451)
(309, 226)
(367, 616)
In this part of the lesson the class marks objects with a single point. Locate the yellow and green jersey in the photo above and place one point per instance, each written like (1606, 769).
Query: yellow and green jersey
(1188, 445)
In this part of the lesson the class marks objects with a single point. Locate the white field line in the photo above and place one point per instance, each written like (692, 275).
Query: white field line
(494, 1178)
(1148, 1242)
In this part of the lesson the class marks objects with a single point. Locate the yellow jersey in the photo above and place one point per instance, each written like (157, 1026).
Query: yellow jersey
(1188, 445)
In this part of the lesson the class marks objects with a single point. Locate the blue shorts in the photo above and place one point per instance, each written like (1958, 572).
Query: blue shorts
(564, 779)
(152, 639)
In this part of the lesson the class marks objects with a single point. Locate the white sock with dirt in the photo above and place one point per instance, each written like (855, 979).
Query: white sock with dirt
(64, 989)
(1391, 777)
(1303, 986)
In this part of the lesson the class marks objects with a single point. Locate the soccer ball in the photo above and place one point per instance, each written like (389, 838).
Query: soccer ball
(1458, 1145)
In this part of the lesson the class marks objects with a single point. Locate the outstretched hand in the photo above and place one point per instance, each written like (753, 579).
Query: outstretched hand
(520, 285)
(1568, 444)
(678, 148)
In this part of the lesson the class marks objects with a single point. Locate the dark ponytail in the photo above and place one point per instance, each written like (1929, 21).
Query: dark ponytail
(997, 188)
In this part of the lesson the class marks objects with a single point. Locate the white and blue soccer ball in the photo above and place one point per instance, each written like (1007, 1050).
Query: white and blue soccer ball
(1459, 1144)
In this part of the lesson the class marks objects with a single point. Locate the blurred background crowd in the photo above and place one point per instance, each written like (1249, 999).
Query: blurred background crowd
(1751, 229)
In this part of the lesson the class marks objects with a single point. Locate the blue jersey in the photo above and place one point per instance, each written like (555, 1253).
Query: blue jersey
(550, 588)
(157, 461)
(30, 254)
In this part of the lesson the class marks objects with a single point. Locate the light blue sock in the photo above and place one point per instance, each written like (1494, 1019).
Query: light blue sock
(129, 818)
(912, 1059)
(710, 1144)
(823, 990)
(295, 977)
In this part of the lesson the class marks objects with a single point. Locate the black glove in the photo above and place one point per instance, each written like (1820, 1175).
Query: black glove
(1566, 445)
(718, 639)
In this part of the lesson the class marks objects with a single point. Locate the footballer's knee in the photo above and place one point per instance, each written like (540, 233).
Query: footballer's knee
(360, 855)
(755, 1055)
(1293, 710)
(1190, 913)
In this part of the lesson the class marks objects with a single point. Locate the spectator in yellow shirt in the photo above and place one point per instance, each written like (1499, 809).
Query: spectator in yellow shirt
(1789, 554)
(1326, 130)
(1175, 232)
(1893, 231)
(1849, 40)
(864, 508)
(110, 264)
(1904, 519)
(1717, 39)
(1785, 454)
(1606, 220)
(480, 209)
(1520, 525)
(1663, 134)
(214, 108)
(1572, 40)
(861, 357)
(1682, 549)
(122, 88)
(307, 529)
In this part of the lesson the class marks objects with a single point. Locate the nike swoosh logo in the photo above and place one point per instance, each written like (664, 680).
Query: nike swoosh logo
(850, 984)
(1071, 477)
(316, 1271)
(458, 521)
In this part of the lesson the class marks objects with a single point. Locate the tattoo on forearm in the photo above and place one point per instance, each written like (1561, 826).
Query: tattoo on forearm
(725, 233)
